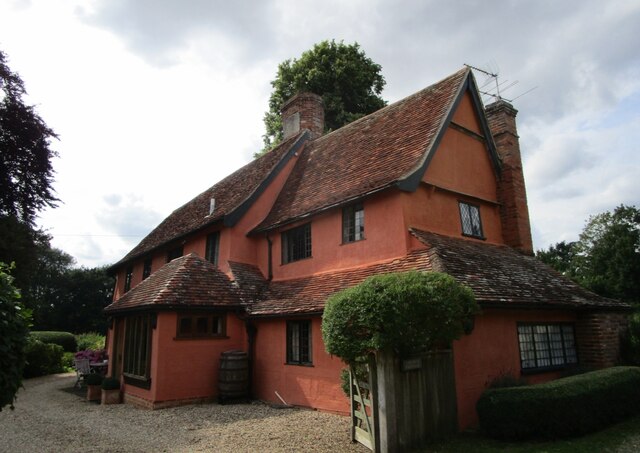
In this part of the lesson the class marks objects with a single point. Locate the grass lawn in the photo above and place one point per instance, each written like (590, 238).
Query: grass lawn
(623, 437)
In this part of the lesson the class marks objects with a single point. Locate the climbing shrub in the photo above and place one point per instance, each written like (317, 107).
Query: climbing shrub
(565, 407)
(406, 312)
(14, 324)
(65, 339)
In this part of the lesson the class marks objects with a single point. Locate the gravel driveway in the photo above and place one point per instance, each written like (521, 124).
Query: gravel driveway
(49, 419)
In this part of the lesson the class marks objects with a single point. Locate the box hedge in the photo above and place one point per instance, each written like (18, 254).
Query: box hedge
(42, 358)
(565, 407)
(65, 339)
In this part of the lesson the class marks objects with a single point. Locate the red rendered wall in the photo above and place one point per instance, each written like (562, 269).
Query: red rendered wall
(316, 386)
(491, 349)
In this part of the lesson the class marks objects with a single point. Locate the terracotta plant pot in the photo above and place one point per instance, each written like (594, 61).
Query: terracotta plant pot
(111, 396)
(93, 392)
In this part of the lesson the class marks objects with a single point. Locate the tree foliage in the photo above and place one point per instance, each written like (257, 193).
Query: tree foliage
(26, 173)
(349, 82)
(405, 312)
(14, 324)
(606, 258)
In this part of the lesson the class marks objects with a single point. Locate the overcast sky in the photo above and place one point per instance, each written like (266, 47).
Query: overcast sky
(155, 101)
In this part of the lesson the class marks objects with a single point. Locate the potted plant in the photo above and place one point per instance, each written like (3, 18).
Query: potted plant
(94, 382)
(110, 391)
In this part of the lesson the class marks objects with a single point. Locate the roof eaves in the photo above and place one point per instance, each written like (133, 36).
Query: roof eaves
(236, 213)
(410, 181)
(346, 201)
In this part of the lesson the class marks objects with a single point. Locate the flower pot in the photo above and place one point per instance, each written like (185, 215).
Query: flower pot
(111, 396)
(93, 392)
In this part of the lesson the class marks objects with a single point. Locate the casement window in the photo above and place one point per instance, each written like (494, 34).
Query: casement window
(352, 223)
(546, 346)
(201, 325)
(213, 244)
(296, 243)
(470, 220)
(174, 253)
(146, 269)
(128, 276)
(299, 342)
(137, 349)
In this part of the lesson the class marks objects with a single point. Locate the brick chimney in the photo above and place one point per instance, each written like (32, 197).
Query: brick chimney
(303, 111)
(512, 192)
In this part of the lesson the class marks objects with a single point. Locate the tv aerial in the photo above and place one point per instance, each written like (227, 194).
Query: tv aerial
(492, 87)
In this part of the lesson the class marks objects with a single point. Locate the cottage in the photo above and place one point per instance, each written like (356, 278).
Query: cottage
(432, 182)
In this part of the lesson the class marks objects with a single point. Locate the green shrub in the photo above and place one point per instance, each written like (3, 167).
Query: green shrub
(42, 358)
(405, 312)
(65, 339)
(630, 342)
(565, 407)
(14, 324)
(90, 340)
(110, 383)
(68, 361)
(94, 379)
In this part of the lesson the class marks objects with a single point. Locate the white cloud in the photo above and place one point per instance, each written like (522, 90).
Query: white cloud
(162, 99)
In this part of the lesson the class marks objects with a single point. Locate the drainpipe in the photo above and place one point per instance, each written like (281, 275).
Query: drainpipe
(270, 257)
(252, 330)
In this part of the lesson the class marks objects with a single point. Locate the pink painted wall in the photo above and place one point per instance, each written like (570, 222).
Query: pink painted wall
(316, 386)
(491, 349)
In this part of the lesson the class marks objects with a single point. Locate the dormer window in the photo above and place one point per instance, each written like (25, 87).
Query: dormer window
(470, 220)
(352, 223)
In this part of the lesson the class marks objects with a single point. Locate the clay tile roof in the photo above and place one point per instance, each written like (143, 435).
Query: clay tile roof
(308, 295)
(230, 193)
(499, 275)
(368, 155)
(188, 281)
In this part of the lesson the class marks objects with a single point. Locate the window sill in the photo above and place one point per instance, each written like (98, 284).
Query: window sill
(308, 365)
(353, 242)
(548, 369)
(204, 337)
(472, 236)
(136, 381)
(296, 261)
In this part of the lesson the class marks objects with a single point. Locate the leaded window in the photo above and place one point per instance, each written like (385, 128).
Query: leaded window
(137, 346)
(299, 342)
(353, 223)
(201, 325)
(211, 251)
(128, 276)
(470, 220)
(296, 243)
(546, 346)
(146, 269)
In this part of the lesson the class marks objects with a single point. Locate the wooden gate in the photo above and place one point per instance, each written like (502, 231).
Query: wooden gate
(362, 388)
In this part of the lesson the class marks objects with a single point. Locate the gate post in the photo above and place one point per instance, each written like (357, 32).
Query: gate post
(386, 402)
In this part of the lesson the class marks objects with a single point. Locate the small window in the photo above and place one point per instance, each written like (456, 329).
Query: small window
(201, 325)
(470, 219)
(127, 278)
(174, 253)
(296, 243)
(146, 270)
(353, 223)
(546, 346)
(211, 252)
(299, 342)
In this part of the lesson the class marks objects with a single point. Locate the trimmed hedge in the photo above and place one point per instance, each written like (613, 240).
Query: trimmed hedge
(65, 339)
(42, 358)
(565, 407)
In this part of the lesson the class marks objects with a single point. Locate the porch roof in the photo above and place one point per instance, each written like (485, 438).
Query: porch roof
(185, 282)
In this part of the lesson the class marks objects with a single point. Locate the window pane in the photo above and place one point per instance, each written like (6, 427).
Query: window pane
(217, 325)
(185, 326)
(211, 253)
(296, 243)
(202, 325)
(470, 219)
(546, 345)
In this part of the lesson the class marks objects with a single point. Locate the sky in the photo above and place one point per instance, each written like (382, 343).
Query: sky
(155, 101)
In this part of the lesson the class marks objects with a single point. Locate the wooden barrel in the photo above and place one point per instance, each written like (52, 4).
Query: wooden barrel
(233, 376)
